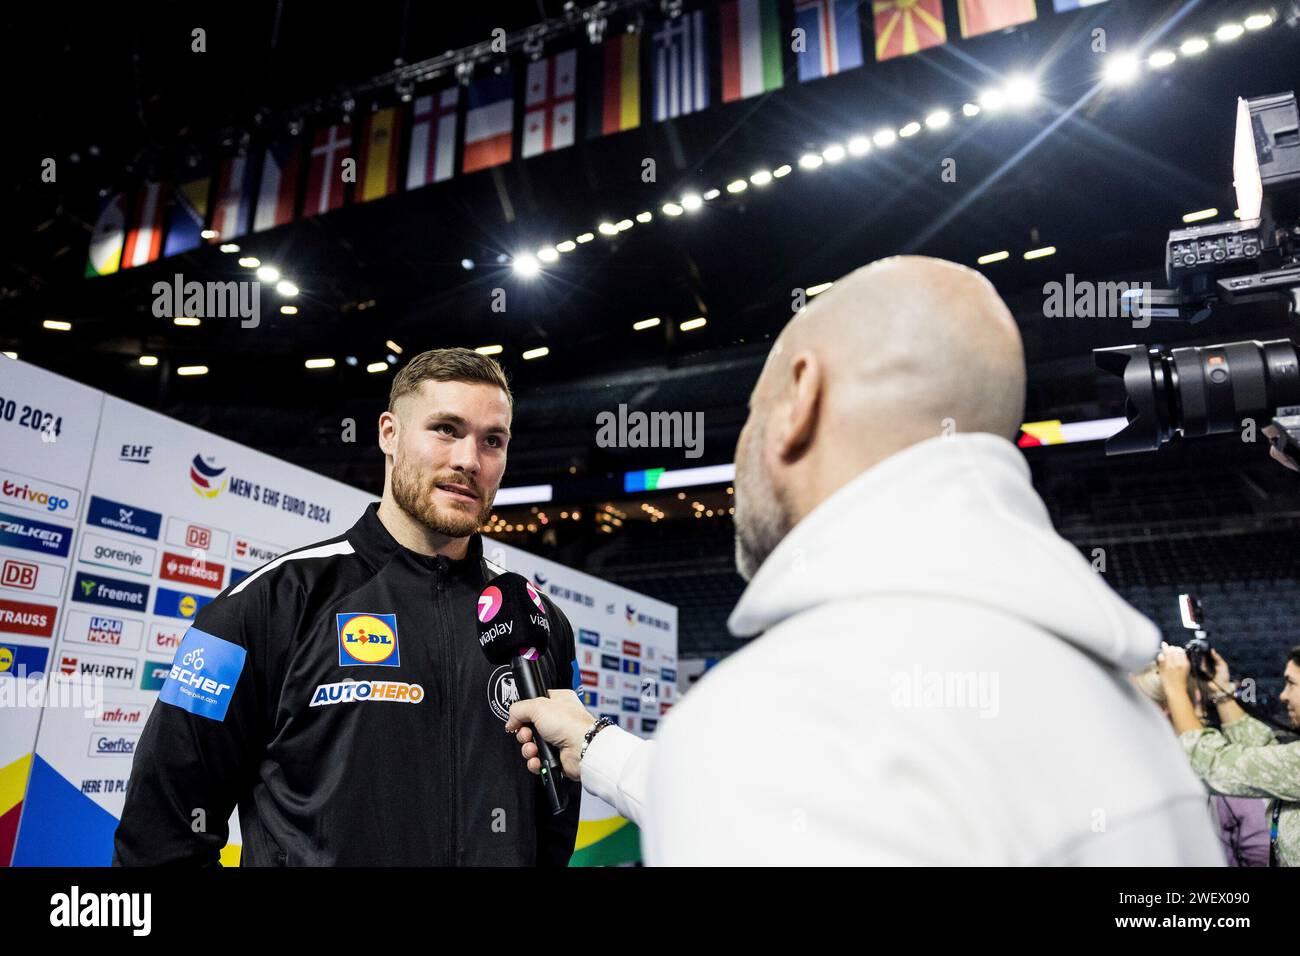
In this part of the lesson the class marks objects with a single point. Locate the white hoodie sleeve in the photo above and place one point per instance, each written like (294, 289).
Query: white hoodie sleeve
(616, 768)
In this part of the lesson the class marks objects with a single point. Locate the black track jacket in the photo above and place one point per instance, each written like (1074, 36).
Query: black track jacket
(339, 698)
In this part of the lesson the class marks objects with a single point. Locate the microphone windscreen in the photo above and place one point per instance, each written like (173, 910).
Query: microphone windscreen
(512, 619)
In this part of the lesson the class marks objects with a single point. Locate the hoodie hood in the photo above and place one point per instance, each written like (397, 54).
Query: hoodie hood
(952, 517)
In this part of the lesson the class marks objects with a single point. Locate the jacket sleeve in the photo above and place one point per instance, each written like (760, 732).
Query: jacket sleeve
(200, 748)
(616, 769)
(1244, 771)
(1249, 732)
(557, 834)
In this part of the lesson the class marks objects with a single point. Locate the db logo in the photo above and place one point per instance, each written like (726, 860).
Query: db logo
(489, 602)
(196, 537)
(19, 574)
(194, 659)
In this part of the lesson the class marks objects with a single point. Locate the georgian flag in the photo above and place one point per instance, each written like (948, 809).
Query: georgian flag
(548, 103)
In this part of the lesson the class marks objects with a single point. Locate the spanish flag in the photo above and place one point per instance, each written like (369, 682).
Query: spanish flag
(907, 26)
(377, 171)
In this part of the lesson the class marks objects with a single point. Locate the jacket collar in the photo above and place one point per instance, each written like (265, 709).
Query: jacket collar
(377, 546)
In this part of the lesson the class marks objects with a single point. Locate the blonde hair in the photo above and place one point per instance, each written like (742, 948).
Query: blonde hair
(1148, 682)
(448, 365)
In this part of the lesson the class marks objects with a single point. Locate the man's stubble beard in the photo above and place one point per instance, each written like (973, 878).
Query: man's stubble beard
(762, 513)
(413, 492)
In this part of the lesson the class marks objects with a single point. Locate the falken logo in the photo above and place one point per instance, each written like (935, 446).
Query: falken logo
(204, 475)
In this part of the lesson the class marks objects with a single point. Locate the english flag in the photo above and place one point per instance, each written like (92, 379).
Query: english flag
(432, 157)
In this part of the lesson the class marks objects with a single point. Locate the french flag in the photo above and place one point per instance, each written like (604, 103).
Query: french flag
(233, 208)
(144, 238)
(832, 39)
(279, 188)
(489, 122)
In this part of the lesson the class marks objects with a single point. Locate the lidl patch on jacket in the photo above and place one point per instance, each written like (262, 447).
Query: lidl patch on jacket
(366, 637)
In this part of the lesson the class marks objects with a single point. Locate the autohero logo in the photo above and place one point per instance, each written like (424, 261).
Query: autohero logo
(133, 911)
(355, 692)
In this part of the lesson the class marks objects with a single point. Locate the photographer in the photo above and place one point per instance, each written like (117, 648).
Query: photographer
(1244, 759)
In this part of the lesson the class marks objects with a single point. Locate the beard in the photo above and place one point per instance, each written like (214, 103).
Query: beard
(762, 513)
(415, 493)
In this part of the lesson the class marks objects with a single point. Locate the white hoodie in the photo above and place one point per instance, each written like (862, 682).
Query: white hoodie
(940, 680)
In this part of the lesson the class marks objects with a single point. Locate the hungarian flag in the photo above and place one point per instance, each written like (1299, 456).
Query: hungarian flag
(681, 73)
(330, 145)
(432, 156)
(489, 122)
(612, 85)
(189, 216)
(144, 238)
(381, 134)
(751, 48)
(985, 16)
(232, 210)
(832, 42)
(549, 87)
(278, 192)
(907, 26)
(107, 237)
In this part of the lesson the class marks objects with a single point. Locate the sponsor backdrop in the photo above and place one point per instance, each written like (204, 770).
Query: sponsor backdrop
(117, 524)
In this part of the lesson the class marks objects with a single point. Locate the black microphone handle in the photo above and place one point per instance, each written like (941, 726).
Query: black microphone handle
(528, 683)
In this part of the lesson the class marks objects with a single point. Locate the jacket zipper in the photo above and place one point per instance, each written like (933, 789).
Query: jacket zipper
(448, 737)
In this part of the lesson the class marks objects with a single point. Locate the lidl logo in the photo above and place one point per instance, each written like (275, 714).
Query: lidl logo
(178, 603)
(367, 638)
(206, 478)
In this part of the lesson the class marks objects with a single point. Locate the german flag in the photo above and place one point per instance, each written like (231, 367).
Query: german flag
(613, 86)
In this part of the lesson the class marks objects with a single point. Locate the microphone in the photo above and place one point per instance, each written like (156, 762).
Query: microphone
(514, 630)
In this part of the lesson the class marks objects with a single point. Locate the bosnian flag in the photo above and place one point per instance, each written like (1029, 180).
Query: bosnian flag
(279, 188)
(234, 204)
(329, 147)
(144, 238)
(189, 213)
(433, 138)
(832, 41)
(488, 122)
(548, 103)
(106, 240)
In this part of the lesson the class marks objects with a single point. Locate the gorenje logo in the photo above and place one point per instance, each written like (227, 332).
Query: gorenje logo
(132, 910)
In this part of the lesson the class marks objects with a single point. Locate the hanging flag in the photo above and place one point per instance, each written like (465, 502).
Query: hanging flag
(144, 238)
(381, 134)
(548, 103)
(433, 138)
(907, 26)
(1064, 5)
(107, 237)
(985, 16)
(189, 215)
(832, 41)
(232, 209)
(751, 48)
(489, 120)
(680, 68)
(330, 145)
(612, 85)
(278, 192)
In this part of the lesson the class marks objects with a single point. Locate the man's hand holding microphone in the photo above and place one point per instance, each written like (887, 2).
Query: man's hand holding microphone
(560, 719)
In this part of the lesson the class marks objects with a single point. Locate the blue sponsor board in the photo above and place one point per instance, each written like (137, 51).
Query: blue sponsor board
(588, 637)
(632, 704)
(631, 666)
(613, 718)
(588, 698)
(155, 672)
(203, 675)
(125, 518)
(183, 604)
(110, 592)
(38, 536)
(18, 661)
(237, 575)
(668, 673)
(609, 661)
(648, 725)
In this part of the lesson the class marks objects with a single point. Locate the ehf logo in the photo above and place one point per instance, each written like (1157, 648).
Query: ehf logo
(539, 578)
(489, 603)
(206, 478)
(368, 638)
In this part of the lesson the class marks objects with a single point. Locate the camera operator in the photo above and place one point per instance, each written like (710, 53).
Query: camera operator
(1244, 758)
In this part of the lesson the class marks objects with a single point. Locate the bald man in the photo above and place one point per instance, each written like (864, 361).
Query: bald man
(939, 677)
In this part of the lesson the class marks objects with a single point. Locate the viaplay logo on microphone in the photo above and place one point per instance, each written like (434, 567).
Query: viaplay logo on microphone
(535, 597)
(489, 602)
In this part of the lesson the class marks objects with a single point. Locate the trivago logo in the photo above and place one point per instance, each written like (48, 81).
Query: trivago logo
(367, 638)
(36, 495)
(206, 478)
